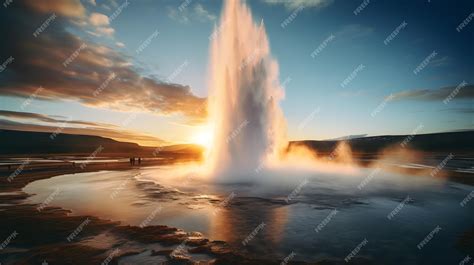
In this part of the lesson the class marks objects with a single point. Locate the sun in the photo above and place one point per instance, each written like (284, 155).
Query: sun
(203, 137)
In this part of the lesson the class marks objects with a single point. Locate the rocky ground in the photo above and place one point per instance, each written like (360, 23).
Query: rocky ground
(34, 235)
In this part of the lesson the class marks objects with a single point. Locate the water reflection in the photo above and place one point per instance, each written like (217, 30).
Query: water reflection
(235, 223)
(134, 196)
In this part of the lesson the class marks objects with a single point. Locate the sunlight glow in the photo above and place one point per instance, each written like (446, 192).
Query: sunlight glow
(203, 136)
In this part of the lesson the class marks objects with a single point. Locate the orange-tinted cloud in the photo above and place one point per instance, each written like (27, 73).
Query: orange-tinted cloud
(25, 121)
(70, 68)
(68, 8)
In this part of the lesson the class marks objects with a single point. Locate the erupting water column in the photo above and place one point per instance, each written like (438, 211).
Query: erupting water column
(249, 126)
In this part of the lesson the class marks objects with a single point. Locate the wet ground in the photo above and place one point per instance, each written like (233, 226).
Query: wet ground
(305, 216)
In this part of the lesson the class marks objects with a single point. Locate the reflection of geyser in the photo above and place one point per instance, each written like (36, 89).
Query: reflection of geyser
(235, 224)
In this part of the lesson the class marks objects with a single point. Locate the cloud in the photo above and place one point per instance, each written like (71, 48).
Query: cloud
(464, 110)
(108, 31)
(463, 92)
(203, 14)
(119, 135)
(100, 24)
(26, 121)
(98, 19)
(120, 44)
(354, 31)
(294, 4)
(348, 137)
(86, 76)
(49, 119)
(443, 61)
(71, 8)
(186, 14)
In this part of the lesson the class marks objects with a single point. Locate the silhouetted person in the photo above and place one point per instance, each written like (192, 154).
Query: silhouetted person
(139, 161)
(130, 161)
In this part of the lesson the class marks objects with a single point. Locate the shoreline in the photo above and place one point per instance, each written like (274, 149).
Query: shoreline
(45, 235)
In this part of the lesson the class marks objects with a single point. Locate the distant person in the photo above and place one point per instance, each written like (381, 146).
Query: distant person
(131, 161)
(139, 161)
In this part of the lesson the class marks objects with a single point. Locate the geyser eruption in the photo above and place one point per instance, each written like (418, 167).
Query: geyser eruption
(248, 123)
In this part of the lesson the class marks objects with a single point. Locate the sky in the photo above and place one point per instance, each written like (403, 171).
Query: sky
(137, 70)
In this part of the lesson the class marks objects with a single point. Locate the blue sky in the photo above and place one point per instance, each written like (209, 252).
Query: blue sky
(316, 105)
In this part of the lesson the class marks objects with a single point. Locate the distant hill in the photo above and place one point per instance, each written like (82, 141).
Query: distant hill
(455, 142)
(28, 143)
(31, 143)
